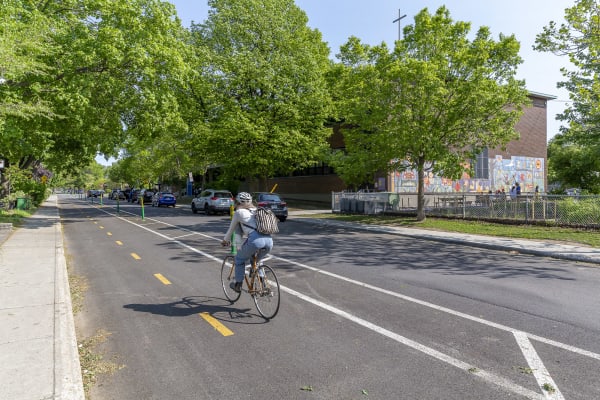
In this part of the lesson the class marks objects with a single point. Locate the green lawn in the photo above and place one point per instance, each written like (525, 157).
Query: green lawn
(14, 216)
(544, 233)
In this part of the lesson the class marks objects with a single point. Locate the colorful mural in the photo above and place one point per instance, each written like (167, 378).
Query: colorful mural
(503, 173)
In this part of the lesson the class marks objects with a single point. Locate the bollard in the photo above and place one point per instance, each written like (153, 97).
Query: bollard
(141, 200)
(233, 247)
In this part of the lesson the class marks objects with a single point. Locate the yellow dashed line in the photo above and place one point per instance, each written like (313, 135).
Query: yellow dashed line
(101, 227)
(222, 329)
(162, 279)
(119, 242)
(109, 234)
(136, 256)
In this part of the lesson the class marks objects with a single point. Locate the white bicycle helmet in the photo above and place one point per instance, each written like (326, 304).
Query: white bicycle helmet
(244, 197)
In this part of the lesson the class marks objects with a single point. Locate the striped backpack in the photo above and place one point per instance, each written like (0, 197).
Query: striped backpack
(266, 221)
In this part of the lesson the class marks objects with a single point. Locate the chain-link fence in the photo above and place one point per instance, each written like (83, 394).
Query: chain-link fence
(581, 211)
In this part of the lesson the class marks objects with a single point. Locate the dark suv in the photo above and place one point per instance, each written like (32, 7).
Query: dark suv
(272, 201)
(146, 196)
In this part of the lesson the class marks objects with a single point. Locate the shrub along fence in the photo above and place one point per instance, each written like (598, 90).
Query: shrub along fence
(577, 211)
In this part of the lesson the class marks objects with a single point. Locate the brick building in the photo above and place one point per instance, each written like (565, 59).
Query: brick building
(523, 161)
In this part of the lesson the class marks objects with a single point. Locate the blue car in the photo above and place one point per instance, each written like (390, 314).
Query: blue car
(163, 199)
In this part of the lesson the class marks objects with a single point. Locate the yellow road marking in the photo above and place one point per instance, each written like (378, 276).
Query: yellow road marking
(222, 329)
(162, 279)
(96, 222)
(101, 227)
(136, 256)
(119, 242)
(109, 234)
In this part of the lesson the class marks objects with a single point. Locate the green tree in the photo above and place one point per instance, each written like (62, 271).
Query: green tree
(573, 165)
(269, 99)
(432, 104)
(579, 40)
(100, 72)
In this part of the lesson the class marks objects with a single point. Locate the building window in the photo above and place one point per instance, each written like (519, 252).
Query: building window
(482, 165)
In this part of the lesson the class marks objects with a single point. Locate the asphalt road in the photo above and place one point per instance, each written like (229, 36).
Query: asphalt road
(363, 315)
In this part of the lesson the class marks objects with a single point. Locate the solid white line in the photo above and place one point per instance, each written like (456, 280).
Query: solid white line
(466, 367)
(541, 374)
(446, 310)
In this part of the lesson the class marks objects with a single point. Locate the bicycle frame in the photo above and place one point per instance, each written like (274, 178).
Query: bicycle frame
(261, 284)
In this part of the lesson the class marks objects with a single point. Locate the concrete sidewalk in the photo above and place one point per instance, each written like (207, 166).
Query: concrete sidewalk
(38, 347)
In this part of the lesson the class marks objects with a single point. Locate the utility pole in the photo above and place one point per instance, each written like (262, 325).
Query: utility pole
(400, 16)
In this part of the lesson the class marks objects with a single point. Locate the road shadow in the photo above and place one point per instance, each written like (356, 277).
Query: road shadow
(218, 308)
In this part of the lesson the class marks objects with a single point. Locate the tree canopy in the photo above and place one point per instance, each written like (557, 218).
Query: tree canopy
(79, 77)
(578, 39)
(432, 104)
(269, 97)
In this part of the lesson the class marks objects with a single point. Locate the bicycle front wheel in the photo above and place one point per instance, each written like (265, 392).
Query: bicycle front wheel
(266, 292)
(228, 276)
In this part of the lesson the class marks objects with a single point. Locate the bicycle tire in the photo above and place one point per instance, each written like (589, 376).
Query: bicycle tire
(266, 292)
(228, 276)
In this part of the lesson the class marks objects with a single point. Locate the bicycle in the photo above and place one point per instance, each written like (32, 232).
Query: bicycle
(261, 284)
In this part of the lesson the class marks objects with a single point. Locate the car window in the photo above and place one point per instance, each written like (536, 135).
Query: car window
(204, 194)
(269, 197)
(223, 195)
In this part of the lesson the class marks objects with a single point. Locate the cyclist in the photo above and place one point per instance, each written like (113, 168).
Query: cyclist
(243, 222)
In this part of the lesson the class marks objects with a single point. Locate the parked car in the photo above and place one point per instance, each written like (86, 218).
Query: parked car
(95, 193)
(272, 201)
(117, 194)
(212, 201)
(163, 199)
(146, 196)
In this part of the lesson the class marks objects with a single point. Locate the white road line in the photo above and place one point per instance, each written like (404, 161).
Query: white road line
(446, 310)
(466, 367)
(541, 374)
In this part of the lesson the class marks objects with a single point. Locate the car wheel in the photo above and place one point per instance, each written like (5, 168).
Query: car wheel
(206, 209)
(194, 209)
(282, 219)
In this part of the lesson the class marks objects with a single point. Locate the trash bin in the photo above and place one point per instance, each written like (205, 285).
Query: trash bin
(22, 203)
(352, 208)
(360, 206)
(344, 205)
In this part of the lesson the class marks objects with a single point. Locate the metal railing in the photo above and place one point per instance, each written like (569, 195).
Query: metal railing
(580, 211)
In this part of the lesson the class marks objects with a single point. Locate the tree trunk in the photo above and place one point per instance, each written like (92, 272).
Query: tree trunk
(421, 190)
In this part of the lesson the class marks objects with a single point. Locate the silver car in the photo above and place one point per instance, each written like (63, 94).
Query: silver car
(212, 201)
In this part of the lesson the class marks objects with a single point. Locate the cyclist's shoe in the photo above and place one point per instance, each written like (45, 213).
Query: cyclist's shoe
(236, 286)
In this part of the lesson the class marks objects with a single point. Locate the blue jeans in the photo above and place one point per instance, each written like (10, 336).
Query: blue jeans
(254, 242)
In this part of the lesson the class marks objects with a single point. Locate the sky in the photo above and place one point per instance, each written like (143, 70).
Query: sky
(372, 22)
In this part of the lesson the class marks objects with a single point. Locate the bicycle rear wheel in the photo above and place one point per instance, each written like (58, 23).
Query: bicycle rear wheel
(266, 292)
(228, 276)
